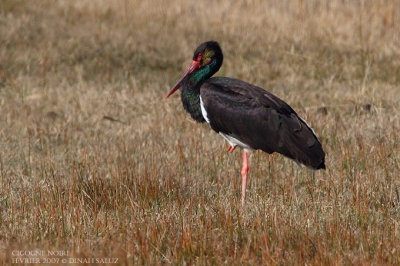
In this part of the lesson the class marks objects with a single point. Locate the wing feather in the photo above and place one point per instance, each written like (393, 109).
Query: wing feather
(260, 119)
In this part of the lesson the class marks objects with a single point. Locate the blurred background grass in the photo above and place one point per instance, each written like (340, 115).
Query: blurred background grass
(95, 161)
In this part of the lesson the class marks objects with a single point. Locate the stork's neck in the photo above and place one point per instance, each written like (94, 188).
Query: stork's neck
(191, 100)
(200, 75)
(191, 89)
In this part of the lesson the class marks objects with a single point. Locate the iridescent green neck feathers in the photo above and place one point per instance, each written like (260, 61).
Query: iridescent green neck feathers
(203, 73)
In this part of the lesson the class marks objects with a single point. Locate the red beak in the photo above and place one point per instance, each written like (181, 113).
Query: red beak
(193, 66)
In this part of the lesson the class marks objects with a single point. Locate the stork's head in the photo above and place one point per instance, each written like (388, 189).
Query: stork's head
(207, 59)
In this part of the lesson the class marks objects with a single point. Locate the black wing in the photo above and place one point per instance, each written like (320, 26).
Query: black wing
(260, 119)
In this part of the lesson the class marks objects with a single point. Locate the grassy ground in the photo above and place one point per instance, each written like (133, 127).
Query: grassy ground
(96, 162)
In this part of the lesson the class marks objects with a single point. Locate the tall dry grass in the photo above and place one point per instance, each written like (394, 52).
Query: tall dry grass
(94, 160)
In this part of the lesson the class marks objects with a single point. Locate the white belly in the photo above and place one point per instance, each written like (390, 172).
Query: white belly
(235, 142)
(203, 111)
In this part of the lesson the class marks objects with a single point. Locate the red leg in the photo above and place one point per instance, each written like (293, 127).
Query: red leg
(245, 169)
(231, 148)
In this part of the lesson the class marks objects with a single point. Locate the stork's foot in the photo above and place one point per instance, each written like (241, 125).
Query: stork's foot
(231, 148)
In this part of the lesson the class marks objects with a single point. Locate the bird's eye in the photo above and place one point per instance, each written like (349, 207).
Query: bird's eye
(199, 56)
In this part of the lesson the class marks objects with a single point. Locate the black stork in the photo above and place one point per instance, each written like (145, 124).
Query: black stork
(245, 115)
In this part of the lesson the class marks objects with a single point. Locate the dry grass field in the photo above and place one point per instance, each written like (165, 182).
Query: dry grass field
(96, 162)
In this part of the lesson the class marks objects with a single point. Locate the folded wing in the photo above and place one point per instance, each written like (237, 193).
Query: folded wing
(260, 119)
